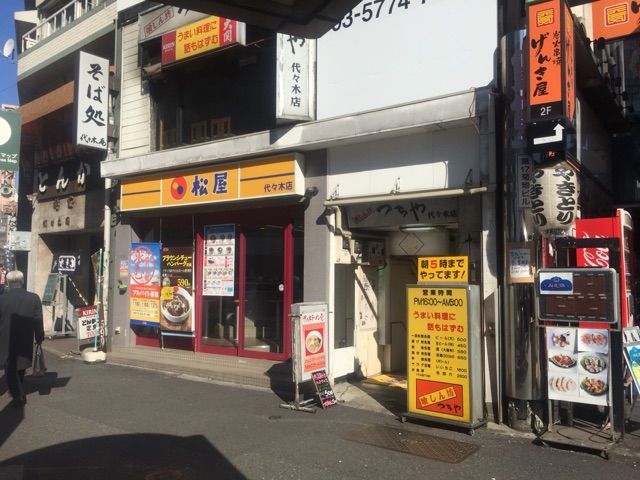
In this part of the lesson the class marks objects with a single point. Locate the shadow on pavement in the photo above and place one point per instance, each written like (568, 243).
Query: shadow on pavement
(10, 419)
(133, 456)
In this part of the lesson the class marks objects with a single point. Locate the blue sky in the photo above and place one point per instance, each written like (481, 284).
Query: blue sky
(8, 88)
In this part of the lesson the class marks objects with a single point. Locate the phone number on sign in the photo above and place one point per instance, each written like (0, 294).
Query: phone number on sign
(370, 10)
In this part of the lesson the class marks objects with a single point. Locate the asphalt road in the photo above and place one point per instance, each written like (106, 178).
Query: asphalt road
(104, 421)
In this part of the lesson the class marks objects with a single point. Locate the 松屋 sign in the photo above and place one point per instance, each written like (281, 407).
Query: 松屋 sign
(92, 100)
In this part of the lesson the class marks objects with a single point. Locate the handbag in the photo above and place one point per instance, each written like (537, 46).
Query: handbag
(39, 368)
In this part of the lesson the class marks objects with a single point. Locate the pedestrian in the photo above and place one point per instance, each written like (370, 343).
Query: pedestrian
(20, 324)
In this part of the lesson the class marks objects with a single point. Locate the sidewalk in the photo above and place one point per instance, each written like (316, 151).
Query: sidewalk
(276, 377)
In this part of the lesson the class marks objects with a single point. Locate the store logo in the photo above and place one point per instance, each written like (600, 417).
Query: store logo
(557, 284)
(178, 188)
(545, 17)
(616, 14)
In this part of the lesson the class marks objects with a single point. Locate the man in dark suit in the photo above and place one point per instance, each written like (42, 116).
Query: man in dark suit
(20, 323)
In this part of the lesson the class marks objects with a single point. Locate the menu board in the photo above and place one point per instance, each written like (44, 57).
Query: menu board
(144, 279)
(578, 364)
(438, 352)
(323, 387)
(218, 269)
(176, 295)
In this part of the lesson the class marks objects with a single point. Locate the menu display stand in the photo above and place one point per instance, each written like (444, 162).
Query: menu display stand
(297, 404)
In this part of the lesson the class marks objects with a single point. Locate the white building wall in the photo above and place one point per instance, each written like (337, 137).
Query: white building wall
(135, 107)
(70, 39)
(405, 54)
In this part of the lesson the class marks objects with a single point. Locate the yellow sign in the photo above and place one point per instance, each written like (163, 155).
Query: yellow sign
(438, 352)
(443, 269)
(271, 177)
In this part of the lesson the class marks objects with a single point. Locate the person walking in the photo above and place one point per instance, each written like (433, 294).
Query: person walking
(20, 324)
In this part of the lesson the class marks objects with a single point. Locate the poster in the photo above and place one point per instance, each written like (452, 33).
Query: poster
(521, 262)
(144, 280)
(313, 326)
(578, 364)
(219, 260)
(438, 352)
(632, 356)
(176, 294)
(443, 269)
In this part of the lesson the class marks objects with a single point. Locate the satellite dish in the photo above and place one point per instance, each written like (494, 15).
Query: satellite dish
(8, 48)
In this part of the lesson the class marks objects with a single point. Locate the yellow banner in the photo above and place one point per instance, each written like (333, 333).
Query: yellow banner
(271, 177)
(438, 352)
(443, 269)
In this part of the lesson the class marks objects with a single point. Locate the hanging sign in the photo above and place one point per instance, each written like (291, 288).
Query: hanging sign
(144, 280)
(614, 19)
(10, 127)
(443, 269)
(554, 197)
(219, 260)
(176, 294)
(295, 78)
(578, 365)
(439, 366)
(92, 99)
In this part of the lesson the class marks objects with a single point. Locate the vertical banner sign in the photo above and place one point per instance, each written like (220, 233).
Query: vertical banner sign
(88, 323)
(219, 260)
(144, 278)
(551, 61)
(438, 352)
(92, 101)
(295, 78)
(176, 294)
(98, 279)
(313, 329)
(10, 127)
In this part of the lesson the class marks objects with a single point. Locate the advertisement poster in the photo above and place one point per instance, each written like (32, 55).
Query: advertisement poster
(87, 321)
(578, 364)
(144, 281)
(219, 260)
(176, 294)
(438, 353)
(313, 324)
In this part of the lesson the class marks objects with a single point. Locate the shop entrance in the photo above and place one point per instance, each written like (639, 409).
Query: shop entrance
(250, 315)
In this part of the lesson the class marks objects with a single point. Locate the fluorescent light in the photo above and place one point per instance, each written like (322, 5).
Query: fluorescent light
(419, 228)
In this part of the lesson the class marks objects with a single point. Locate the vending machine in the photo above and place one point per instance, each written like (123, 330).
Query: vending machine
(620, 227)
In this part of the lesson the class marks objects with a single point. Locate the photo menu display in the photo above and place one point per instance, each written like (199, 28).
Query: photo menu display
(218, 272)
(578, 364)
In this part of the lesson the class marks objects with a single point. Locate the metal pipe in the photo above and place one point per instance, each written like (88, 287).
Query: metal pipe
(447, 192)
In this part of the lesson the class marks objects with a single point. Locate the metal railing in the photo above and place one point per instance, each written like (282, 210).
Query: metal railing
(60, 19)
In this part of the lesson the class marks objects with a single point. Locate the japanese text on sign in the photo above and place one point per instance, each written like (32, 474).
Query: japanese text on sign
(443, 269)
(92, 101)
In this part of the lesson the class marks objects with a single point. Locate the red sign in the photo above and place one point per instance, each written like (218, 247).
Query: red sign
(439, 397)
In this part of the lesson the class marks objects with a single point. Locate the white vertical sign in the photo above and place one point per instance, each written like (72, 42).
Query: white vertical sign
(92, 101)
(295, 78)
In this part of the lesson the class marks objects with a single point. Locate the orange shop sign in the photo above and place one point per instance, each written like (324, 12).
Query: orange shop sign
(279, 176)
(199, 37)
(614, 19)
(551, 61)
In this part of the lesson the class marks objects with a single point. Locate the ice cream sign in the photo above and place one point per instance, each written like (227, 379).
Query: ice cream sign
(556, 283)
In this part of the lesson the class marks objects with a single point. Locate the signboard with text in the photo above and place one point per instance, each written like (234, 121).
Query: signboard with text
(295, 78)
(10, 128)
(92, 100)
(269, 177)
(310, 342)
(205, 35)
(441, 353)
(176, 294)
(219, 260)
(443, 269)
(614, 19)
(88, 325)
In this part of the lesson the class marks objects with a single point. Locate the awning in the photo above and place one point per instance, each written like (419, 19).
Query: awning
(50, 102)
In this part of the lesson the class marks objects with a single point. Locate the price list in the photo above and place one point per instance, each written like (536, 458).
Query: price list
(438, 353)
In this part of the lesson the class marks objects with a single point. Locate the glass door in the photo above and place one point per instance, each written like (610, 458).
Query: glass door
(264, 287)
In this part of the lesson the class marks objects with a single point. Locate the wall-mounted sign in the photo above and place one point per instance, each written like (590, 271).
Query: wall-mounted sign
(19, 241)
(144, 280)
(578, 295)
(10, 128)
(551, 61)
(68, 263)
(67, 178)
(522, 264)
(525, 178)
(614, 19)
(219, 260)
(432, 212)
(270, 177)
(199, 37)
(295, 78)
(443, 269)
(164, 19)
(92, 100)
(554, 197)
